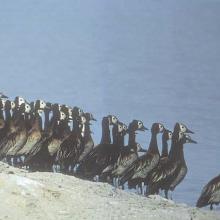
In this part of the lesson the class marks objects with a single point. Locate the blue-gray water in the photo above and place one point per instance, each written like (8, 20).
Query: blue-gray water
(153, 60)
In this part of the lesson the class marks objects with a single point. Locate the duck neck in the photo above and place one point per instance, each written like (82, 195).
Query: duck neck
(46, 118)
(87, 134)
(153, 147)
(63, 128)
(177, 152)
(37, 122)
(121, 140)
(7, 114)
(115, 134)
(174, 144)
(181, 154)
(106, 138)
(53, 124)
(131, 138)
(164, 148)
(20, 119)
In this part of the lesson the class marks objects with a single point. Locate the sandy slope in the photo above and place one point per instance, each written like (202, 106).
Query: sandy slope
(32, 196)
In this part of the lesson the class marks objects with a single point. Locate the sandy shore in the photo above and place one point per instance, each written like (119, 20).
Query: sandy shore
(45, 196)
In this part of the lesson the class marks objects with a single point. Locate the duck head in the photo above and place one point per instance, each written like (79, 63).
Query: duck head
(185, 138)
(137, 125)
(112, 119)
(180, 127)
(157, 128)
(167, 135)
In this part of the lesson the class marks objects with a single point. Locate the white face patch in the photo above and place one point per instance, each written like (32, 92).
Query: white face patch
(83, 120)
(125, 128)
(182, 127)
(12, 105)
(170, 135)
(62, 116)
(42, 104)
(3, 103)
(140, 124)
(120, 128)
(20, 101)
(161, 128)
(27, 108)
(114, 120)
(80, 112)
(70, 112)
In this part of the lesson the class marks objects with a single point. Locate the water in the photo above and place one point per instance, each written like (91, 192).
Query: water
(150, 60)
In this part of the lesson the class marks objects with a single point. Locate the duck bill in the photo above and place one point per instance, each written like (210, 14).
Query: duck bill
(193, 142)
(144, 128)
(189, 131)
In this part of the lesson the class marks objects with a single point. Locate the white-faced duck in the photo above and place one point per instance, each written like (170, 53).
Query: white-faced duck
(168, 176)
(128, 154)
(39, 157)
(71, 148)
(100, 156)
(210, 194)
(140, 169)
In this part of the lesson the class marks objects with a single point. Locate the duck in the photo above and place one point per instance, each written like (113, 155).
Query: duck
(169, 163)
(71, 148)
(140, 169)
(39, 157)
(8, 124)
(168, 176)
(210, 194)
(17, 137)
(8, 107)
(129, 153)
(179, 127)
(167, 135)
(88, 143)
(118, 133)
(36, 131)
(100, 156)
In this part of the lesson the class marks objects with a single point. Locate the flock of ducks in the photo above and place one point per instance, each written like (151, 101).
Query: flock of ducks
(62, 142)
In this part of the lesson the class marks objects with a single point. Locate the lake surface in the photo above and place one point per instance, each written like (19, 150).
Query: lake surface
(158, 61)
